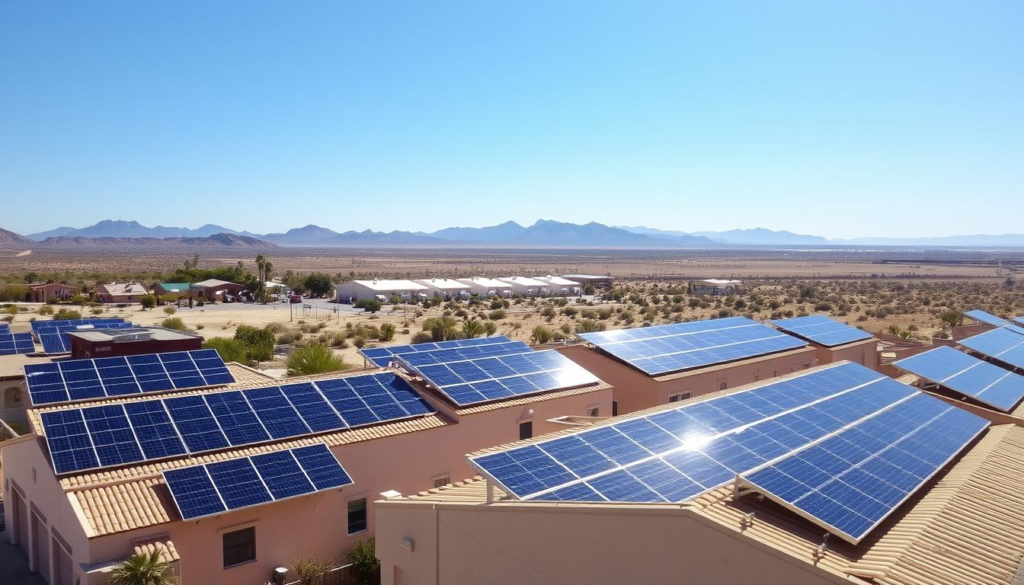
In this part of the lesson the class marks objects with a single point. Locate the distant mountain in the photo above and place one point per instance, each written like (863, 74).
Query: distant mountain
(549, 233)
(54, 233)
(763, 237)
(214, 241)
(310, 235)
(9, 239)
(494, 234)
(110, 228)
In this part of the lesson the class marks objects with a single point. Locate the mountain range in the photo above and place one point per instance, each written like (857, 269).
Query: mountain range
(542, 234)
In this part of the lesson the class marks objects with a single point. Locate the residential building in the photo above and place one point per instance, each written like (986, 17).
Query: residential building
(834, 341)
(716, 287)
(40, 293)
(527, 287)
(177, 289)
(127, 292)
(214, 290)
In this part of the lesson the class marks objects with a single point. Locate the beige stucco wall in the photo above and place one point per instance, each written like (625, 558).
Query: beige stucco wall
(464, 544)
(636, 391)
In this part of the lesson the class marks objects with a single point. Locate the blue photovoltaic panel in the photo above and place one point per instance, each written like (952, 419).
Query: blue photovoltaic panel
(474, 381)
(443, 356)
(41, 326)
(4, 328)
(55, 338)
(215, 488)
(967, 375)
(68, 440)
(987, 318)
(112, 435)
(1000, 344)
(56, 342)
(181, 425)
(822, 330)
(853, 480)
(89, 379)
(16, 343)
(681, 346)
(382, 356)
(1019, 321)
(675, 454)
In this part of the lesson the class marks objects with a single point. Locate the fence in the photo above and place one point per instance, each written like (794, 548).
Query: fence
(340, 576)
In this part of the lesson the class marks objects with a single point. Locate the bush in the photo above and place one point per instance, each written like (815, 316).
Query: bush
(259, 343)
(174, 323)
(46, 310)
(541, 335)
(387, 332)
(490, 328)
(496, 315)
(314, 359)
(230, 350)
(368, 305)
(364, 562)
(312, 570)
(66, 315)
(170, 310)
(422, 337)
(79, 300)
(589, 326)
(148, 302)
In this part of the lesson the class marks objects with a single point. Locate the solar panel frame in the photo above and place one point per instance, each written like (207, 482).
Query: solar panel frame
(1002, 389)
(665, 349)
(16, 343)
(822, 330)
(243, 482)
(1000, 344)
(382, 356)
(38, 326)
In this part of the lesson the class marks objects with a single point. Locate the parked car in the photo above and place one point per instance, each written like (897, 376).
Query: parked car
(296, 298)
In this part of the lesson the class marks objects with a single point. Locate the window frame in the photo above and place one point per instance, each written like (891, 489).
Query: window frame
(679, 396)
(348, 514)
(525, 424)
(224, 546)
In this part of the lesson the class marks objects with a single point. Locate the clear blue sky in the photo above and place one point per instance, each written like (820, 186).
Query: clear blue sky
(840, 119)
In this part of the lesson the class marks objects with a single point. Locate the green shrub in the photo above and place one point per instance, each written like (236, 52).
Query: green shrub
(314, 359)
(46, 310)
(66, 315)
(174, 323)
(363, 561)
(230, 350)
(387, 332)
(259, 343)
(541, 335)
(148, 302)
(496, 315)
(170, 310)
(368, 305)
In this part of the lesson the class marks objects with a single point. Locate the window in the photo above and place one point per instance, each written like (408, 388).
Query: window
(526, 430)
(239, 546)
(357, 516)
(596, 411)
(678, 396)
(723, 385)
(442, 481)
(615, 408)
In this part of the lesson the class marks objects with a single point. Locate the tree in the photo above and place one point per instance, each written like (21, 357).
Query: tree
(314, 359)
(259, 343)
(441, 328)
(319, 284)
(190, 268)
(31, 277)
(148, 302)
(230, 350)
(142, 569)
(952, 317)
(472, 328)
(364, 563)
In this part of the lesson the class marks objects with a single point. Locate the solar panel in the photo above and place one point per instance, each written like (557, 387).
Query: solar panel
(382, 356)
(4, 328)
(90, 379)
(986, 318)
(473, 381)
(180, 425)
(856, 478)
(681, 346)
(1019, 321)
(822, 330)
(967, 375)
(443, 356)
(38, 326)
(675, 454)
(1001, 344)
(16, 343)
(224, 486)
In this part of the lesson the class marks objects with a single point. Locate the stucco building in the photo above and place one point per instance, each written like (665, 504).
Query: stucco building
(834, 341)
(125, 292)
(445, 287)
(487, 287)
(40, 293)
(355, 290)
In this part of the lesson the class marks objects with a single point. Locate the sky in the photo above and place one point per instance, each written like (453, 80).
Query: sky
(838, 119)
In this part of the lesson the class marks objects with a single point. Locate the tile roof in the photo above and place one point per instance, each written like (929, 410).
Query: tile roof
(164, 546)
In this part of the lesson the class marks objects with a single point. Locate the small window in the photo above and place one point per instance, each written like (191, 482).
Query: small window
(678, 396)
(596, 411)
(526, 430)
(239, 547)
(357, 516)
(615, 408)
(442, 481)
(723, 385)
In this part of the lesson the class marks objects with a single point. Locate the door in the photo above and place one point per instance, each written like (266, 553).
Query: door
(63, 575)
(20, 520)
(40, 548)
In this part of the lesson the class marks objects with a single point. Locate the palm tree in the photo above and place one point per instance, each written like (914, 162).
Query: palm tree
(472, 328)
(441, 328)
(143, 569)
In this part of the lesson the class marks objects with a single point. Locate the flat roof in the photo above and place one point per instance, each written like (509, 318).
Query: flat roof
(390, 285)
(483, 281)
(524, 281)
(13, 366)
(213, 282)
(444, 283)
(558, 280)
(132, 335)
(587, 276)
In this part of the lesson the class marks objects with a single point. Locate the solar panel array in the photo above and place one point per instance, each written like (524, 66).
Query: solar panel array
(44, 326)
(86, 438)
(90, 379)
(1001, 344)
(967, 375)
(676, 454)
(681, 346)
(472, 381)
(55, 339)
(382, 356)
(1019, 321)
(4, 328)
(13, 343)
(822, 330)
(225, 486)
(986, 318)
(853, 480)
(444, 356)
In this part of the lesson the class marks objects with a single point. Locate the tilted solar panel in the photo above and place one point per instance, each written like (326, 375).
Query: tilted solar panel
(225, 486)
(856, 478)
(4, 328)
(696, 446)
(55, 339)
(986, 318)
(1000, 344)
(16, 343)
(443, 356)
(822, 330)
(90, 379)
(179, 425)
(382, 356)
(472, 381)
(1019, 321)
(682, 346)
(967, 375)
(42, 326)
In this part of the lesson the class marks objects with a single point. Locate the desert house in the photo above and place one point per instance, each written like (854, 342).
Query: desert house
(127, 292)
(40, 293)
(214, 290)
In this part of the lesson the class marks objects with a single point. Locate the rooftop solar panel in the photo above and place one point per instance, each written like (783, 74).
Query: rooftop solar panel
(472, 381)
(987, 318)
(55, 338)
(16, 343)
(90, 379)
(1019, 321)
(1000, 344)
(4, 328)
(180, 425)
(856, 478)
(682, 346)
(39, 326)
(224, 486)
(822, 330)
(967, 375)
(382, 356)
(675, 454)
(443, 356)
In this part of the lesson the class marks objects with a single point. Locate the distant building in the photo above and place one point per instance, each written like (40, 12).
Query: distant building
(595, 280)
(97, 343)
(382, 290)
(172, 289)
(445, 287)
(716, 287)
(528, 287)
(487, 287)
(218, 290)
(40, 293)
(562, 287)
(127, 292)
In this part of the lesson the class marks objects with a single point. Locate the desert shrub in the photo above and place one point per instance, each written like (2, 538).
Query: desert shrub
(496, 315)
(45, 310)
(170, 310)
(490, 327)
(368, 305)
(312, 570)
(314, 359)
(363, 561)
(589, 326)
(174, 323)
(230, 350)
(422, 337)
(387, 332)
(66, 315)
(148, 302)
(259, 343)
(541, 335)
